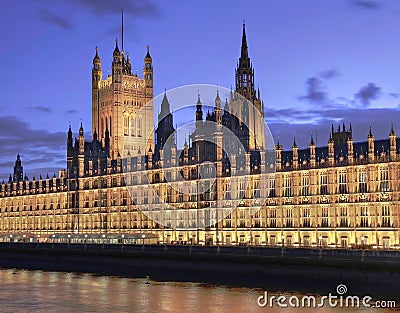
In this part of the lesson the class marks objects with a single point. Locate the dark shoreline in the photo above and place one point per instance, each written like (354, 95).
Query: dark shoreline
(306, 271)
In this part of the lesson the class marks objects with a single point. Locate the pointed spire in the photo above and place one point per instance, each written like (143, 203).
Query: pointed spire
(81, 130)
(226, 106)
(96, 58)
(370, 135)
(122, 29)
(244, 51)
(294, 142)
(217, 100)
(392, 133)
(148, 52)
(116, 50)
(165, 107)
(312, 141)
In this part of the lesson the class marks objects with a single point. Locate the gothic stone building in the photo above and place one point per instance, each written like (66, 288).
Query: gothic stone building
(344, 194)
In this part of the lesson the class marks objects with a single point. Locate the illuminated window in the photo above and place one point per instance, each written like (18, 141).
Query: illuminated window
(342, 182)
(323, 183)
(384, 179)
(305, 187)
(362, 181)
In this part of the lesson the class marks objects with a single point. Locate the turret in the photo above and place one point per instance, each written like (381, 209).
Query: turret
(278, 156)
(350, 150)
(96, 70)
(148, 69)
(117, 65)
(371, 145)
(18, 169)
(312, 152)
(81, 154)
(331, 151)
(295, 152)
(393, 145)
(218, 110)
(81, 140)
(199, 109)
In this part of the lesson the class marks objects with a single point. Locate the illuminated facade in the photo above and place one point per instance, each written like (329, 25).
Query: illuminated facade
(343, 195)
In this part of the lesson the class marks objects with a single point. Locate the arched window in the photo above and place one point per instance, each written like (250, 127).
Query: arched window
(139, 127)
(110, 126)
(133, 133)
(126, 125)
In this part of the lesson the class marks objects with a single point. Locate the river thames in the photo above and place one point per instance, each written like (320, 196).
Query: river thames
(40, 291)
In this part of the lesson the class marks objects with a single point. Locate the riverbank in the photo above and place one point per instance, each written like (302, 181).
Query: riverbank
(376, 273)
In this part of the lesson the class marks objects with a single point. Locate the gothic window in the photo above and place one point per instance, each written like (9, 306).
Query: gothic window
(364, 216)
(126, 126)
(289, 217)
(342, 182)
(323, 183)
(306, 217)
(288, 186)
(343, 217)
(385, 216)
(325, 217)
(139, 127)
(271, 186)
(305, 187)
(362, 181)
(133, 127)
(384, 179)
(110, 126)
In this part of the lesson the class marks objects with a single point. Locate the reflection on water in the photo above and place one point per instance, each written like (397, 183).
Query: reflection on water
(38, 291)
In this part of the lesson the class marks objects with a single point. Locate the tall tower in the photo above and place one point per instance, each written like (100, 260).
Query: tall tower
(244, 75)
(165, 127)
(122, 104)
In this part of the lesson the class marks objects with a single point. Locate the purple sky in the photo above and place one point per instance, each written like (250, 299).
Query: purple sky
(316, 62)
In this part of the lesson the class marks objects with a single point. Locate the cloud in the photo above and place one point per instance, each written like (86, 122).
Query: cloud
(329, 74)
(367, 4)
(368, 93)
(53, 18)
(98, 8)
(40, 108)
(71, 111)
(38, 147)
(106, 7)
(315, 92)
(302, 122)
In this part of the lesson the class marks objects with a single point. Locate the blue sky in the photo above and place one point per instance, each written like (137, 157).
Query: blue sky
(316, 63)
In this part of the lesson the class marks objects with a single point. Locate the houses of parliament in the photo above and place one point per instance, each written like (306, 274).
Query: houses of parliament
(130, 183)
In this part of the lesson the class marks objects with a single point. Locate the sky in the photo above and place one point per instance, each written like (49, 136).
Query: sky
(316, 63)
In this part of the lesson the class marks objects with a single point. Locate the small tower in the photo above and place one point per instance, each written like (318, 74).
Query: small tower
(199, 110)
(331, 151)
(393, 145)
(278, 155)
(218, 110)
(350, 149)
(312, 152)
(18, 170)
(295, 152)
(81, 154)
(371, 145)
(148, 72)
